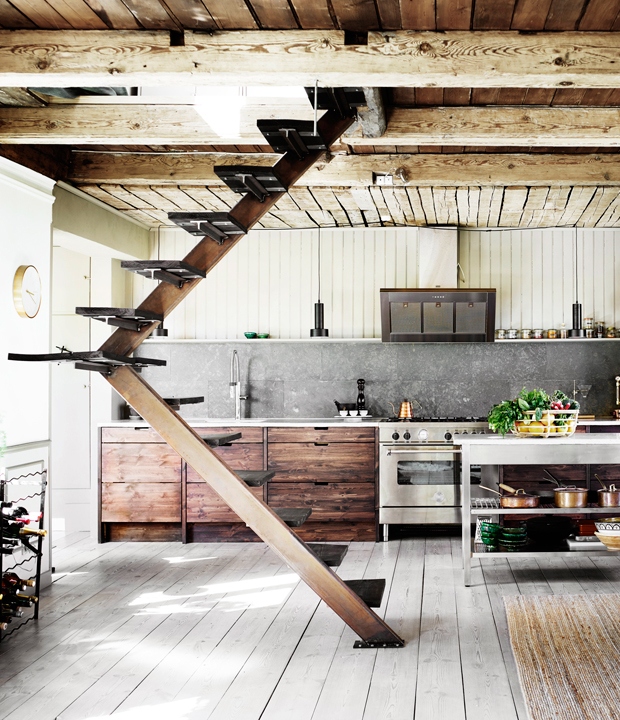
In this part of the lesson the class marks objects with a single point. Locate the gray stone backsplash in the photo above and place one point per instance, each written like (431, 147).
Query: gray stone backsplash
(302, 379)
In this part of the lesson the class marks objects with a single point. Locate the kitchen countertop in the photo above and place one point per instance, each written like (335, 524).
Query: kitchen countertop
(513, 441)
(303, 422)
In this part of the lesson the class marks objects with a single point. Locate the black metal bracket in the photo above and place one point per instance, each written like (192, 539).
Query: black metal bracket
(218, 226)
(341, 100)
(296, 136)
(372, 645)
(174, 272)
(255, 179)
(121, 317)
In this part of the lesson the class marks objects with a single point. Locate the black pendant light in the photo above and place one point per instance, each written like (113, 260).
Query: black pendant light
(318, 330)
(160, 330)
(576, 331)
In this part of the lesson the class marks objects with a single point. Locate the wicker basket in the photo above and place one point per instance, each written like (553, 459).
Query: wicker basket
(564, 424)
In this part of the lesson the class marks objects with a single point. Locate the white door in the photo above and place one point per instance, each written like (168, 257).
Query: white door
(70, 414)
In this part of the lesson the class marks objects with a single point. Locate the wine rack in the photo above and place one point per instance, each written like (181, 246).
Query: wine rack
(25, 559)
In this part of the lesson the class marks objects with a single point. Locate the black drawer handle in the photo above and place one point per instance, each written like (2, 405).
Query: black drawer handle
(320, 482)
(321, 428)
(320, 444)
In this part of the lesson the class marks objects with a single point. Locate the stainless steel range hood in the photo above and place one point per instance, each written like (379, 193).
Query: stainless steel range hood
(438, 311)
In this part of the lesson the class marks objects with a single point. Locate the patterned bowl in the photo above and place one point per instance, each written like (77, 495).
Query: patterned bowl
(612, 542)
(608, 524)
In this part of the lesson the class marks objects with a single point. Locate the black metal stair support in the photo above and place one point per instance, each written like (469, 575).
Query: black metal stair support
(127, 318)
(255, 179)
(175, 404)
(218, 226)
(293, 517)
(296, 136)
(220, 439)
(331, 555)
(341, 100)
(100, 361)
(255, 478)
(174, 272)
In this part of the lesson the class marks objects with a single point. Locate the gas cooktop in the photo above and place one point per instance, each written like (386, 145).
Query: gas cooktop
(434, 419)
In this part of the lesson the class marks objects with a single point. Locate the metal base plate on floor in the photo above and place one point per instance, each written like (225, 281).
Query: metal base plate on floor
(374, 645)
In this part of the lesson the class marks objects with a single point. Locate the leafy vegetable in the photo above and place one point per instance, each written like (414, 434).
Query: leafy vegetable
(503, 416)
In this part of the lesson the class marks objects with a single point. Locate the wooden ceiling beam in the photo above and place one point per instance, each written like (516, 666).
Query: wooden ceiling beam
(426, 170)
(133, 124)
(299, 57)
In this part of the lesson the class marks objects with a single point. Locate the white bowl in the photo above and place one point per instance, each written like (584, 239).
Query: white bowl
(344, 413)
(363, 413)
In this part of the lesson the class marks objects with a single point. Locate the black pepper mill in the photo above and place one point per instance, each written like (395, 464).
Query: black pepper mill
(361, 400)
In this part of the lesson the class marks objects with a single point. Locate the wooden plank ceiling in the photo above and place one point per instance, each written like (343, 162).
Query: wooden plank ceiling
(447, 182)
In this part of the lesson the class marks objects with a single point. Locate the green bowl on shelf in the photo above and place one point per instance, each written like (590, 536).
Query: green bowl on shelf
(263, 336)
(250, 335)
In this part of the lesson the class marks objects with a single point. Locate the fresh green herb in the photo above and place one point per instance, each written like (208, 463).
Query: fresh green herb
(503, 416)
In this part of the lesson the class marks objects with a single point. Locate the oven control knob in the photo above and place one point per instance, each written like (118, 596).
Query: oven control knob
(464, 432)
(473, 432)
(395, 436)
(481, 432)
(423, 434)
(407, 436)
(448, 436)
(456, 432)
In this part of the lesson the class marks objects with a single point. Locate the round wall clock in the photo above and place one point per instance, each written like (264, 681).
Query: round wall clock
(27, 291)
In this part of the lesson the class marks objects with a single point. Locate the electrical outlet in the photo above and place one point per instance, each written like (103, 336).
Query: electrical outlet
(384, 179)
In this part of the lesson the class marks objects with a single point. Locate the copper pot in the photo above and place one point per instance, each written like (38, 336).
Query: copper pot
(571, 497)
(519, 499)
(609, 497)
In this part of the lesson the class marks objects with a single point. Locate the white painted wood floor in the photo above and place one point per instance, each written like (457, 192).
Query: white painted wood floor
(147, 631)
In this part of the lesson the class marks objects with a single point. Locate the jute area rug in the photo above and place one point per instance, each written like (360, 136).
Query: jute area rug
(567, 649)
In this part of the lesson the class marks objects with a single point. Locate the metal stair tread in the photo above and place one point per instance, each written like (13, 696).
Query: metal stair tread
(99, 357)
(331, 555)
(131, 313)
(259, 180)
(217, 440)
(293, 517)
(255, 478)
(370, 591)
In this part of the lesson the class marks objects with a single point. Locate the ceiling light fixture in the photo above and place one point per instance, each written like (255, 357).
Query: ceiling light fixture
(576, 331)
(319, 330)
(160, 330)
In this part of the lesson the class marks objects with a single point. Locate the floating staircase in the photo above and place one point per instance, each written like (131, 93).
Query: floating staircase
(301, 147)
(100, 361)
(174, 272)
(260, 181)
(121, 317)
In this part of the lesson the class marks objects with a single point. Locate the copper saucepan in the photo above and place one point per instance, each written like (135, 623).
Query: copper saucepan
(569, 497)
(519, 498)
(608, 496)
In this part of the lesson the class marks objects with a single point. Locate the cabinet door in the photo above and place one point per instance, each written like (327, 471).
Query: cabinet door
(342, 502)
(141, 482)
(325, 462)
(205, 505)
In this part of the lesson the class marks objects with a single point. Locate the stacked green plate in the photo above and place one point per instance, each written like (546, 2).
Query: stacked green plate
(512, 539)
(490, 533)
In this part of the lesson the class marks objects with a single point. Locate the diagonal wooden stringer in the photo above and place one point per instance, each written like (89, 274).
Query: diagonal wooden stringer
(214, 471)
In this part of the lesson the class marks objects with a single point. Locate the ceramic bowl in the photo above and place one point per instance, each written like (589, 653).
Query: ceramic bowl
(608, 524)
(250, 335)
(612, 542)
(263, 336)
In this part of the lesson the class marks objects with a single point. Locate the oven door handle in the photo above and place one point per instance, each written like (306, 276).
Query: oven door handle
(421, 451)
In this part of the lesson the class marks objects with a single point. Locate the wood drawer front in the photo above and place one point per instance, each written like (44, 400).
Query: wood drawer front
(205, 505)
(328, 434)
(141, 502)
(307, 462)
(139, 463)
(249, 434)
(239, 457)
(130, 435)
(334, 501)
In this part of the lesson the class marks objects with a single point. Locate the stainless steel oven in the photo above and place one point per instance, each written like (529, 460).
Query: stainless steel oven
(420, 472)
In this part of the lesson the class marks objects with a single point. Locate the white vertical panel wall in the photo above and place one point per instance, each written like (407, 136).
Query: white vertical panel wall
(534, 274)
(269, 282)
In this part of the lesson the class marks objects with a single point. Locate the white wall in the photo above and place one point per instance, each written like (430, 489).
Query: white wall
(268, 282)
(26, 210)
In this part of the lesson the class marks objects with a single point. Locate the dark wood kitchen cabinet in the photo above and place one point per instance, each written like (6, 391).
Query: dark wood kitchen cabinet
(331, 470)
(149, 493)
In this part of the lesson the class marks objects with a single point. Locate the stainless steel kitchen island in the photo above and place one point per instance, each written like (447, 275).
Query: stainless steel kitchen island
(512, 450)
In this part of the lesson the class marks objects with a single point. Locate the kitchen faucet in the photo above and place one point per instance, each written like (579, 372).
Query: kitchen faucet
(235, 384)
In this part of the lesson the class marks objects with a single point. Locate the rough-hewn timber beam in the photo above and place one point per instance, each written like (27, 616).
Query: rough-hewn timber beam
(299, 57)
(19, 97)
(438, 170)
(183, 125)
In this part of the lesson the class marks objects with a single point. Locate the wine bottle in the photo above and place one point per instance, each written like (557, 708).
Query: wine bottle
(15, 530)
(4, 626)
(14, 580)
(6, 611)
(18, 600)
